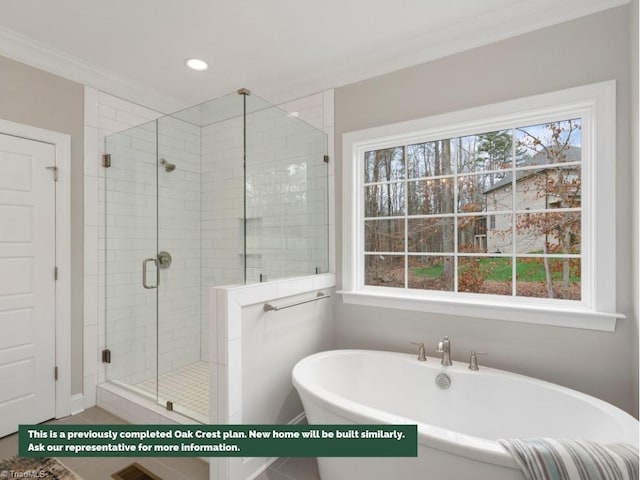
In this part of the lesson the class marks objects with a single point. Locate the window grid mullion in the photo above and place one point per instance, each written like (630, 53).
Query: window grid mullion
(455, 220)
(481, 214)
(514, 287)
(406, 221)
(477, 173)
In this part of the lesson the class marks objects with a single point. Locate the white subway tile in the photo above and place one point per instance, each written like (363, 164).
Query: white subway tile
(89, 391)
(328, 108)
(90, 347)
(90, 305)
(115, 102)
(105, 111)
(90, 107)
(91, 250)
(91, 156)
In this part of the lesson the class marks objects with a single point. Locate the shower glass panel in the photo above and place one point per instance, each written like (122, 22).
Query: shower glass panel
(286, 195)
(131, 223)
(231, 191)
(199, 211)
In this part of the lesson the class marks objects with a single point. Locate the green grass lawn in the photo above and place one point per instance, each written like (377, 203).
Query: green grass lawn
(499, 269)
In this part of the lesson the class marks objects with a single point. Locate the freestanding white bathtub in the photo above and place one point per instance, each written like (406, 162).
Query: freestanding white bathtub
(457, 427)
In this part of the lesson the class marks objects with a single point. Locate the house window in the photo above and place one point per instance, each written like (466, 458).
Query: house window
(426, 206)
(491, 207)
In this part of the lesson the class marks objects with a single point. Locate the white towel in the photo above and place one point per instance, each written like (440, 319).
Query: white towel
(551, 459)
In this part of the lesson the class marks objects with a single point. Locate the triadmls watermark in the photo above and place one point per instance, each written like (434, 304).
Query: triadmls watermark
(7, 474)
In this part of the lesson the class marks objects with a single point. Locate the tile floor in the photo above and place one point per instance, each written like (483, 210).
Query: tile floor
(187, 387)
(168, 468)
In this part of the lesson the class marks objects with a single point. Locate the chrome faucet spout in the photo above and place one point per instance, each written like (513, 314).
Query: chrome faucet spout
(444, 347)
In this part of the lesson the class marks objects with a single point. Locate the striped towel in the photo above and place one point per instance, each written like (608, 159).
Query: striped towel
(550, 459)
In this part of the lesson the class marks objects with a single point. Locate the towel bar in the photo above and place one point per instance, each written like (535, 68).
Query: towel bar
(268, 307)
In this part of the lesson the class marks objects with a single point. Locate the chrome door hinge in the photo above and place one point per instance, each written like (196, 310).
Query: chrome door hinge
(106, 356)
(55, 172)
(55, 373)
(55, 273)
(106, 160)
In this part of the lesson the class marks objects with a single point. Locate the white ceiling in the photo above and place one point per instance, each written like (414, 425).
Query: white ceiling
(280, 49)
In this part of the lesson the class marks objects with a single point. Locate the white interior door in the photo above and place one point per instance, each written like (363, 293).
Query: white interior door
(27, 284)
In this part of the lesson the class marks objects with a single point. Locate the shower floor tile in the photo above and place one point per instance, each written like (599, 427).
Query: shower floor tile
(187, 388)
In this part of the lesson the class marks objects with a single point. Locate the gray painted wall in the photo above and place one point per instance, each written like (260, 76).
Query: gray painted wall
(591, 49)
(634, 20)
(40, 99)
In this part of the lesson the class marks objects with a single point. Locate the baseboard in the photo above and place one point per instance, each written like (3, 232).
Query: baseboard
(77, 403)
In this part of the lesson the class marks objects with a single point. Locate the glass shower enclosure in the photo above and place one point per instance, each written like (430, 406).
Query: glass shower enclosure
(231, 191)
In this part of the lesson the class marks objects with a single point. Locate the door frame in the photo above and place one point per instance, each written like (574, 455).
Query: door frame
(62, 149)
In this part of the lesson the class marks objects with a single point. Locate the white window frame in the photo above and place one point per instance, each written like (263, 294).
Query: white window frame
(595, 105)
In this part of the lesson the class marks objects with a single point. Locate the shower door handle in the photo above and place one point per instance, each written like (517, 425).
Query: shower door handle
(144, 273)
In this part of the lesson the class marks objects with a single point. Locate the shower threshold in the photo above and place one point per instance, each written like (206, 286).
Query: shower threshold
(117, 397)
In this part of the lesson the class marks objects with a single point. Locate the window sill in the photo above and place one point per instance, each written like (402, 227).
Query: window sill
(523, 312)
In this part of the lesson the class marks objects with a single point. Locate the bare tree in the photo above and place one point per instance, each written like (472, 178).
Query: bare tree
(559, 185)
(447, 206)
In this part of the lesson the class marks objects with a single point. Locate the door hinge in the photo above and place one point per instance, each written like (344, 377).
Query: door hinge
(54, 169)
(326, 159)
(106, 160)
(55, 273)
(106, 356)
(55, 373)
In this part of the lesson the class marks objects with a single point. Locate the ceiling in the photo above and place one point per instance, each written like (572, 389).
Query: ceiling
(280, 49)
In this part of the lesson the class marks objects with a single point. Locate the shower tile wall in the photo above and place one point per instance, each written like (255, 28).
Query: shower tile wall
(222, 212)
(179, 315)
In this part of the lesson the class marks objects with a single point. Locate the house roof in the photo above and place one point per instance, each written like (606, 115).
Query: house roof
(572, 154)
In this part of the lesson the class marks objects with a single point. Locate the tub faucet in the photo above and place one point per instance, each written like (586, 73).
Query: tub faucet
(444, 347)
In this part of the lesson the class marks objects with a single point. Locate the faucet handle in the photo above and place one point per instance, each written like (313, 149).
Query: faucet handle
(473, 360)
(422, 357)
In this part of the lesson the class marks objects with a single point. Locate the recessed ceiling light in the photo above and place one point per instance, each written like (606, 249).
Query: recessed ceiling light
(197, 64)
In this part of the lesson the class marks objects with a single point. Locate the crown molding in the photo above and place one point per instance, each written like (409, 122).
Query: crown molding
(518, 19)
(28, 51)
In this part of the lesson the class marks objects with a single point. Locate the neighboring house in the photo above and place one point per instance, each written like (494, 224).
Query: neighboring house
(536, 189)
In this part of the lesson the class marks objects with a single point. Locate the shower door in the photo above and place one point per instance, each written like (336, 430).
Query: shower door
(130, 253)
(152, 264)
(182, 371)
